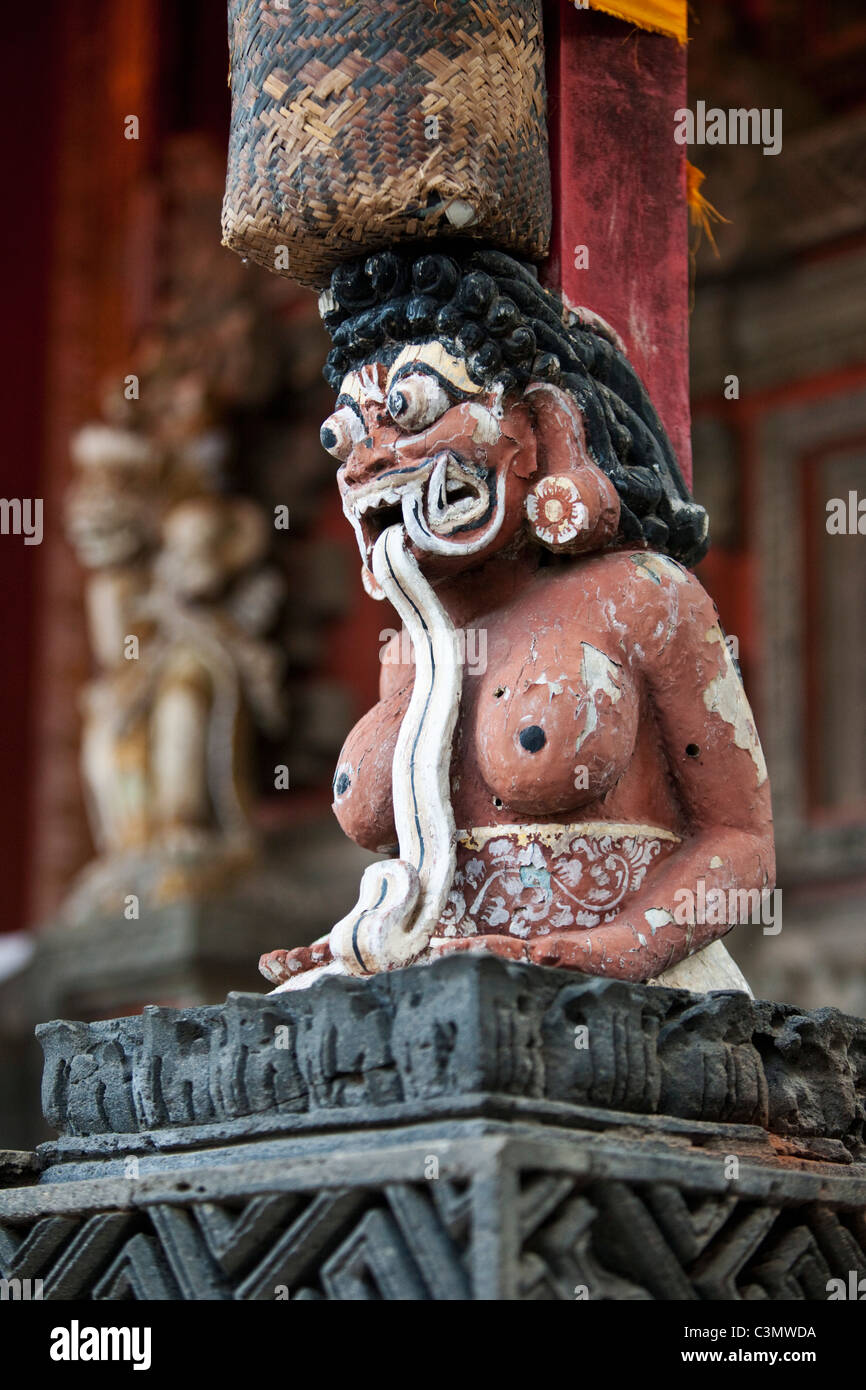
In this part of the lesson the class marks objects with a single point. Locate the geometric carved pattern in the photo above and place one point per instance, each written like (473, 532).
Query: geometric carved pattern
(477, 1130)
(603, 1239)
(338, 1245)
(624, 1241)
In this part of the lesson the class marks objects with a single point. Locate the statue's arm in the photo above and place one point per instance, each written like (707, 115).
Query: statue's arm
(717, 769)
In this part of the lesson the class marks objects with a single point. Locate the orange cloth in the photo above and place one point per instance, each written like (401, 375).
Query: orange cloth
(662, 16)
(702, 214)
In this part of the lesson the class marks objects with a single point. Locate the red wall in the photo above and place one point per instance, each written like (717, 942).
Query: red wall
(25, 248)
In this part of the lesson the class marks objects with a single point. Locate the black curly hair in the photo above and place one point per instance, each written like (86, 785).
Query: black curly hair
(490, 311)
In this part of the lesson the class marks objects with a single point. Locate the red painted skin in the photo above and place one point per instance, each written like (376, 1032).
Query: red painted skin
(657, 755)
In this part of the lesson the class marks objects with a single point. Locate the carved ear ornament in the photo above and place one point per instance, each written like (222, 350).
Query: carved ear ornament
(556, 515)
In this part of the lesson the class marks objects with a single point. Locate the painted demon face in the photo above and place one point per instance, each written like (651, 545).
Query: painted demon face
(420, 443)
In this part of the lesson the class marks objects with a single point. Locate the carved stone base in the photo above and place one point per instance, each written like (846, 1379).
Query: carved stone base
(188, 953)
(467, 1130)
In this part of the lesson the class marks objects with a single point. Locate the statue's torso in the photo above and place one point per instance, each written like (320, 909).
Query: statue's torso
(560, 793)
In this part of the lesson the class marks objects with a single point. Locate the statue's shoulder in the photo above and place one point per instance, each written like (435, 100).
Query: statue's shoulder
(629, 571)
(644, 596)
(649, 576)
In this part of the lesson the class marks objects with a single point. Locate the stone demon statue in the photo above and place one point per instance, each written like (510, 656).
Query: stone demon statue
(506, 473)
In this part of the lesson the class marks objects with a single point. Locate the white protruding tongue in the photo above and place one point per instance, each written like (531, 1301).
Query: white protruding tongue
(402, 900)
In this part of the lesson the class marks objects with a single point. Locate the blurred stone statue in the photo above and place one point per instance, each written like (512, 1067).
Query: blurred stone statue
(180, 599)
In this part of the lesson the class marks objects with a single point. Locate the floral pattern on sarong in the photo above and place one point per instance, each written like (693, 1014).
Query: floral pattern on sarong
(533, 888)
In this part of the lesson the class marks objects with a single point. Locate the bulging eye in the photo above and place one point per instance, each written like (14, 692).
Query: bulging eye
(415, 401)
(341, 432)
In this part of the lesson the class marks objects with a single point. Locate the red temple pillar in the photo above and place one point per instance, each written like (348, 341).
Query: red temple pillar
(620, 221)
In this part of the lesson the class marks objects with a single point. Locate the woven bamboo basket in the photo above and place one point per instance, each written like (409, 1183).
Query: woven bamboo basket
(360, 123)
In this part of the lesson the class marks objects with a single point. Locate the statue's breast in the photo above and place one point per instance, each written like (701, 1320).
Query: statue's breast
(553, 720)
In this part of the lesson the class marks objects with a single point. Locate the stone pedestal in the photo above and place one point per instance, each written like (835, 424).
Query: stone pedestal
(467, 1130)
(186, 953)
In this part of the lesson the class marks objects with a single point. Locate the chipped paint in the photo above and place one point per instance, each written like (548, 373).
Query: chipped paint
(725, 697)
(656, 917)
(658, 567)
(487, 429)
(554, 687)
(599, 675)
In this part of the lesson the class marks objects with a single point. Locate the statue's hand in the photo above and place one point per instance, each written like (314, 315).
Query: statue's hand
(621, 949)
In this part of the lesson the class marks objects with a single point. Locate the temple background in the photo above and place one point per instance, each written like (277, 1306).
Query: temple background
(110, 239)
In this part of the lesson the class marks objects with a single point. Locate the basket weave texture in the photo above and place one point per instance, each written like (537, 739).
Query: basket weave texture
(361, 123)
